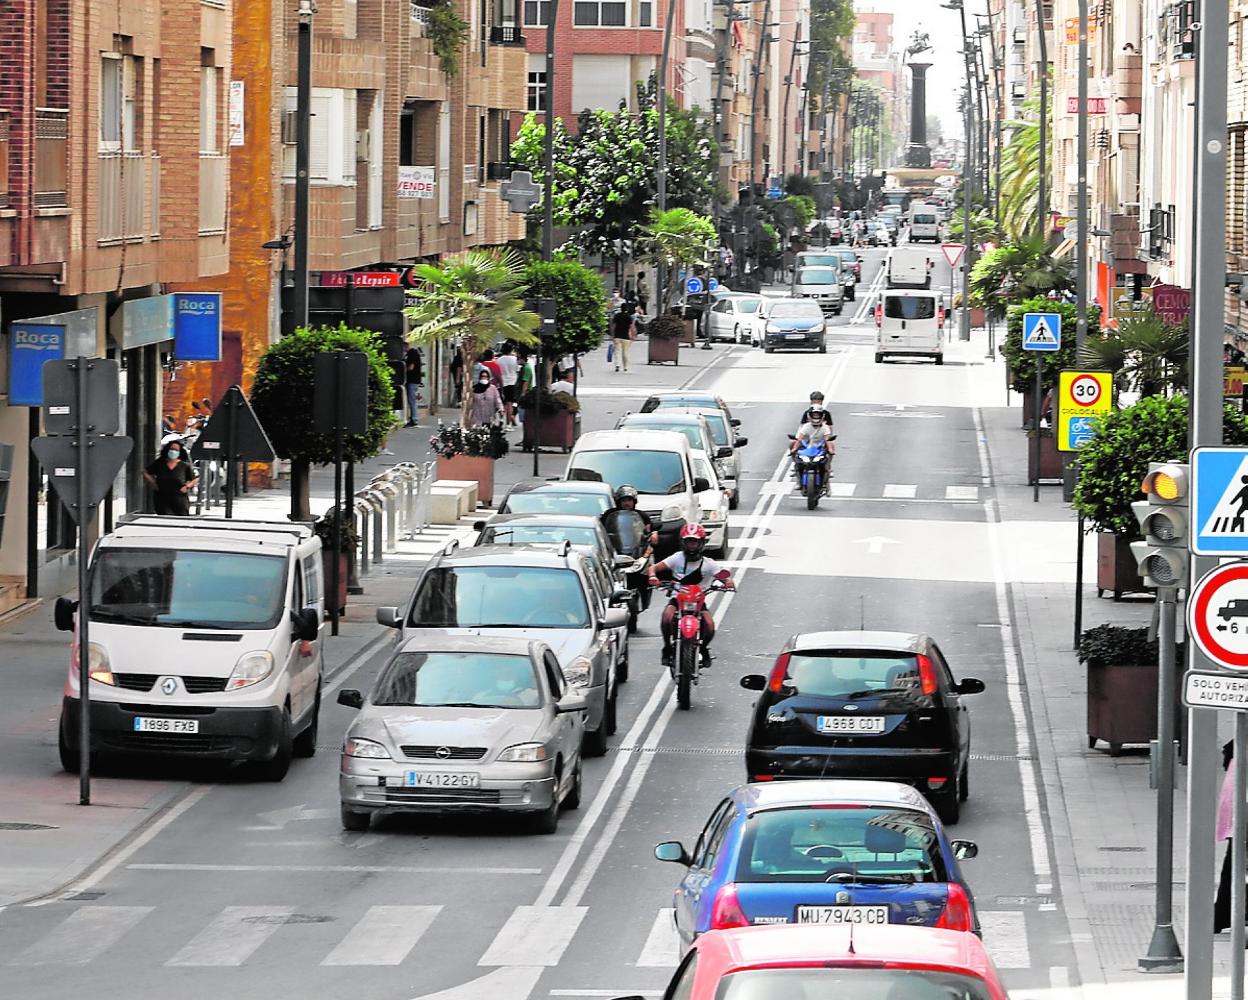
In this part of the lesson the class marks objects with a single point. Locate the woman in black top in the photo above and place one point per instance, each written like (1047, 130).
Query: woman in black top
(172, 479)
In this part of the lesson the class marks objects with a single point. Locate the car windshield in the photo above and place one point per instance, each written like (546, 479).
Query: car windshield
(909, 306)
(555, 502)
(692, 432)
(849, 257)
(466, 680)
(648, 472)
(817, 276)
(501, 597)
(924, 219)
(843, 674)
(183, 588)
(748, 305)
(825, 983)
(679, 399)
(536, 534)
(821, 259)
(840, 843)
(795, 310)
(717, 423)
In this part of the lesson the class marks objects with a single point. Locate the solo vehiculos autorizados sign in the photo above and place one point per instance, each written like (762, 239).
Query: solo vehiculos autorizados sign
(1217, 615)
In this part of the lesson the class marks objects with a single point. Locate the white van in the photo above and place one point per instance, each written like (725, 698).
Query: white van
(204, 642)
(657, 464)
(823, 284)
(924, 222)
(910, 324)
(909, 268)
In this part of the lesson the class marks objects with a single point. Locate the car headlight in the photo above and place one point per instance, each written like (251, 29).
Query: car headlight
(817, 328)
(356, 747)
(251, 669)
(97, 664)
(525, 753)
(711, 515)
(578, 671)
(772, 328)
(673, 512)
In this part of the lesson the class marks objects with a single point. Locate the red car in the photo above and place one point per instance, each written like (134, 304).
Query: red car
(883, 962)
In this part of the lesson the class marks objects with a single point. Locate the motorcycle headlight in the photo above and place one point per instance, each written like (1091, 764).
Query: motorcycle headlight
(356, 747)
(251, 669)
(578, 671)
(525, 753)
(97, 664)
(672, 512)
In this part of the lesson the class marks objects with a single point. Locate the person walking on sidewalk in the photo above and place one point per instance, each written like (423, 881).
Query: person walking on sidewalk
(414, 378)
(487, 404)
(457, 375)
(1225, 831)
(172, 478)
(622, 334)
(510, 368)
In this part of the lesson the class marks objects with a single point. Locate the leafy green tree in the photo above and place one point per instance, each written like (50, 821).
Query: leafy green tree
(803, 209)
(474, 300)
(983, 228)
(677, 238)
(1023, 363)
(281, 395)
(831, 22)
(1145, 353)
(577, 292)
(1018, 271)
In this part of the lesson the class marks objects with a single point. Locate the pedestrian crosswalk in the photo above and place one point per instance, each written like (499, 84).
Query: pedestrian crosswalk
(894, 492)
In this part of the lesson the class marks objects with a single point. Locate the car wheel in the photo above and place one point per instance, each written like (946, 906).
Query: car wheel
(964, 782)
(305, 743)
(275, 768)
(823, 348)
(71, 760)
(734, 501)
(594, 742)
(573, 799)
(610, 721)
(769, 350)
(940, 359)
(355, 821)
(621, 668)
(948, 803)
(879, 359)
(852, 296)
(547, 820)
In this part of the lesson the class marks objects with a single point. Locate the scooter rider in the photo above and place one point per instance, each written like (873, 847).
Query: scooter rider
(689, 566)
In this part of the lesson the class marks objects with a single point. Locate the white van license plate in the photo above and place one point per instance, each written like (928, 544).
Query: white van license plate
(437, 779)
(851, 724)
(142, 725)
(842, 915)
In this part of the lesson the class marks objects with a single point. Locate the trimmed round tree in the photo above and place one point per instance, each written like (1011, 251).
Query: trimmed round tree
(581, 317)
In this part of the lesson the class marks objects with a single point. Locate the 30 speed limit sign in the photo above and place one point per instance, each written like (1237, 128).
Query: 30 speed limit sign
(1081, 398)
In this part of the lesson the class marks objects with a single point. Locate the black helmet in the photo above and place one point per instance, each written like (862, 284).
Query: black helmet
(816, 395)
(625, 493)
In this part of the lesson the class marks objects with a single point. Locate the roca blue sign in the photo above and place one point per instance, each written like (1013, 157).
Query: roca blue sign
(197, 326)
(30, 346)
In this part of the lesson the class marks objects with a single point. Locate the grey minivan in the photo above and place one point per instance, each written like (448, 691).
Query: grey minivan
(823, 284)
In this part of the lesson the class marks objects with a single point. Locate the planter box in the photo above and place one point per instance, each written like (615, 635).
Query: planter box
(1050, 460)
(555, 430)
(1122, 705)
(1115, 566)
(691, 332)
(466, 467)
(660, 350)
(978, 318)
(344, 573)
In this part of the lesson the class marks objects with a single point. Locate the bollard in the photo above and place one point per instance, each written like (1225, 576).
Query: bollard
(378, 502)
(362, 510)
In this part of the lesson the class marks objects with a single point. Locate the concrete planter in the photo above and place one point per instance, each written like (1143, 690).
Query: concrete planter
(661, 350)
(1050, 467)
(689, 337)
(555, 430)
(471, 467)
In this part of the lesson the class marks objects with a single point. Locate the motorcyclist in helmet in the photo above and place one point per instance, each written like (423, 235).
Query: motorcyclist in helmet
(816, 403)
(816, 428)
(626, 499)
(689, 566)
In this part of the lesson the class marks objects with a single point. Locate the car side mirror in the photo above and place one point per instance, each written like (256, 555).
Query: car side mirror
(622, 561)
(389, 617)
(673, 851)
(621, 595)
(615, 618)
(700, 485)
(754, 682)
(307, 623)
(971, 685)
(63, 613)
(351, 698)
(964, 850)
(741, 442)
(478, 525)
(571, 703)
(735, 421)
(724, 452)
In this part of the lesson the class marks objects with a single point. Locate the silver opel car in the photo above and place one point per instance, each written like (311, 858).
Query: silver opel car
(464, 724)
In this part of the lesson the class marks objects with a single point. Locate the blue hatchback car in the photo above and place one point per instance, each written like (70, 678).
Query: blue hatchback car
(822, 852)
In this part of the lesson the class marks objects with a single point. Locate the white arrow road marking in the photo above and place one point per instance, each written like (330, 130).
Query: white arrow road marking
(278, 818)
(875, 544)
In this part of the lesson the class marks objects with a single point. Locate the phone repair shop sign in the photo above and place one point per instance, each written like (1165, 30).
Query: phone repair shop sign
(31, 345)
(197, 326)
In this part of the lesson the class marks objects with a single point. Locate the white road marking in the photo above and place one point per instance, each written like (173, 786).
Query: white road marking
(841, 490)
(662, 947)
(83, 936)
(232, 937)
(1005, 937)
(961, 492)
(900, 491)
(513, 983)
(280, 817)
(1059, 977)
(534, 935)
(383, 936)
(334, 680)
(623, 992)
(349, 869)
(875, 544)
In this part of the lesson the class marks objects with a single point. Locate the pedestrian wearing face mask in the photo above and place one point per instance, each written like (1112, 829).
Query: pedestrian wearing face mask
(172, 478)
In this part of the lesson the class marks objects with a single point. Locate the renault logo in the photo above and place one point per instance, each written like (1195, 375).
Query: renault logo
(442, 753)
(169, 685)
(842, 897)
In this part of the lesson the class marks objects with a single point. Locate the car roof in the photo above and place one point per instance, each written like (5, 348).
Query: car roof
(909, 642)
(689, 393)
(764, 795)
(554, 518)
(700, 411)
(437, 640)
(625, 439)
(830, 945)
(560, 486)
(910, 293)
(510, 555)
(815, 267)
(678, 415)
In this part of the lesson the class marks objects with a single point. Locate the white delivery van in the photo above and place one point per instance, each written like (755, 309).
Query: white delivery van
(910, 324)
(823, 284)
(924, 222)
(909, 267)
(204, 642)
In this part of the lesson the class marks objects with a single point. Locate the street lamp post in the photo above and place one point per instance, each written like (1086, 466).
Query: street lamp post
(303, 155)
(662, 100)
(1042, 194)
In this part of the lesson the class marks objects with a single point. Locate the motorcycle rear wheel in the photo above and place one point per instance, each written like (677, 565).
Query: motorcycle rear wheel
(686, 666)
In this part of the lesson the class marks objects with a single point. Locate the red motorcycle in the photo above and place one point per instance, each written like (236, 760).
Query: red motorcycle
(689, 655)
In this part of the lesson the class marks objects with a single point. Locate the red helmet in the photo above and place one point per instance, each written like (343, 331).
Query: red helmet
(693, 531)
(692, 539)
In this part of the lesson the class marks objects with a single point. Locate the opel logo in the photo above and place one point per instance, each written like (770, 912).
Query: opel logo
(442, 753)
(169, 685)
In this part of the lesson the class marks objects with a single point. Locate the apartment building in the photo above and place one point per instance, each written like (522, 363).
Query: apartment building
(788, 72)
(113, 182)
(877, 60)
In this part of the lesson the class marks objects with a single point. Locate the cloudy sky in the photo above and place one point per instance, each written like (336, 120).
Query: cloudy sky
(946, 76)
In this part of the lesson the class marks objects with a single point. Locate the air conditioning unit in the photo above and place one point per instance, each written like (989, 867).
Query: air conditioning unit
(290, 127)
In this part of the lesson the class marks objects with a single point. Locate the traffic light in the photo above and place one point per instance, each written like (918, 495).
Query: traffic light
(1162, 558)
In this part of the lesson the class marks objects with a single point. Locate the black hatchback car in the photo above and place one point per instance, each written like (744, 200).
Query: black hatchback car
(881, 705)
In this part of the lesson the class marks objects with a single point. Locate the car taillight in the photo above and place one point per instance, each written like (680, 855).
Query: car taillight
(727, 912)
(956, 915)
(940, 319)
(879, 315)
(776, 680)
(927, 674)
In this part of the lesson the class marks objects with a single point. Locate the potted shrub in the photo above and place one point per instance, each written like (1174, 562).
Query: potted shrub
(560, 423)
(469, 454)
(664, 335)
(1022, 364)
(1122, 672)
(348, 545)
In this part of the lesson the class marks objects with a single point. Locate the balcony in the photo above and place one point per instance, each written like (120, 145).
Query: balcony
(51, 158)
(506, 34)
(212, 176)
(4, 159)
(120, 203)
(420, 18)
(155, 168)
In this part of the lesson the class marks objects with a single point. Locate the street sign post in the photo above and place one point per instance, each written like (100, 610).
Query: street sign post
(953, 252)
(1081, 398)
(1042, 333)
(232, 434)
(693, 286)
(1202, 689)
(1217, 615)
(1219, 523)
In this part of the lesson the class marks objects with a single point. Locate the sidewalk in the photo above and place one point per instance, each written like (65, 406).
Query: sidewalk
(47, 841)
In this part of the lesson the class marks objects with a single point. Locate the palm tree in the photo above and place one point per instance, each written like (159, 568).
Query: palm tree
(1145, 353)
(474, 300)
(1018, 271)
(678, 238)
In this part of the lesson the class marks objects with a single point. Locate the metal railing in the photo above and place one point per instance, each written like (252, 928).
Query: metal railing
(395, 504)
(212, 175)
(155, 170)
(506, 34)
(51, 158)
(420, 16)
(4, 159)
(120, 202)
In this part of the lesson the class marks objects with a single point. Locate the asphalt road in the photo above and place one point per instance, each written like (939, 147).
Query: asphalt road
(253, 890)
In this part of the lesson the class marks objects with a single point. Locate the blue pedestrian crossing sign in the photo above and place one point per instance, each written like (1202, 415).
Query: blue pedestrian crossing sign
(693, 286)
(1220, 501)
(1042, 331)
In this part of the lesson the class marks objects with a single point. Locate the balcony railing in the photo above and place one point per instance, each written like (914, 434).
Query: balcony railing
(121, 215)
(4, 159)
(420, 17)
(506, 34)
(212, 174)
(51, 157)
(155, 160)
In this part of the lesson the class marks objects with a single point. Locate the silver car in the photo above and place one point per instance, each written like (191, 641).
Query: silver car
(464, 724)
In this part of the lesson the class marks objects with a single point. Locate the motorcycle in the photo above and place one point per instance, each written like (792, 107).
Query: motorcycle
(812, 465)
(627, 531)
(689, 655)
